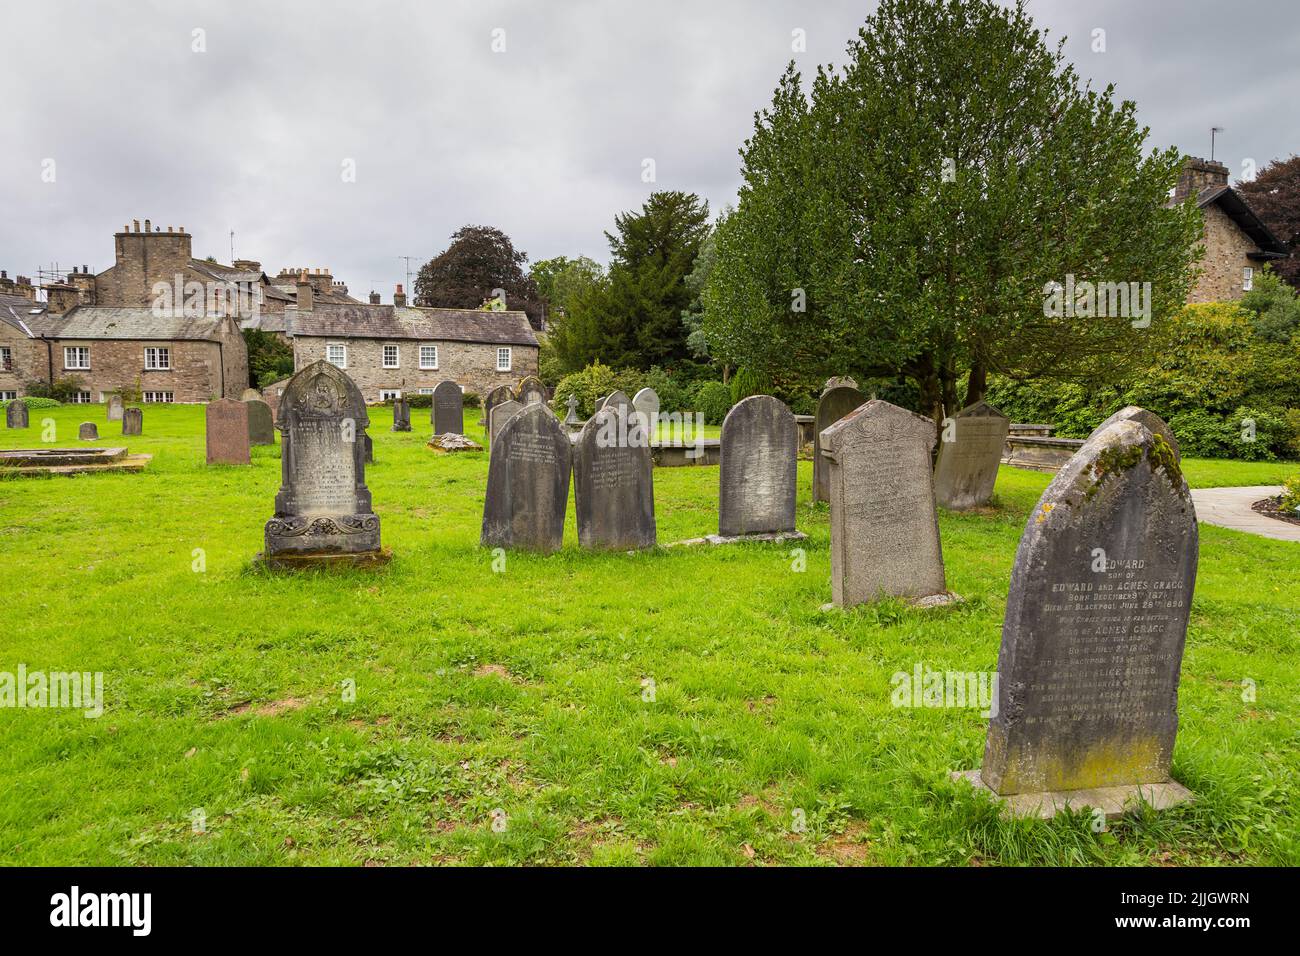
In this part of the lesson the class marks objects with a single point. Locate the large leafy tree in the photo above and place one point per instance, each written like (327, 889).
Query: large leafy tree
(561, 279)
(479, 261)
(1274, 195)
(905, 216)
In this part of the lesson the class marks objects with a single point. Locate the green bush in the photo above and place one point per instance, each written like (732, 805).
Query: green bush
(674, 390)
(593, 382)
(1290, 500)
(32, 401)
(63, 390)
(713, 400)
(746, 383)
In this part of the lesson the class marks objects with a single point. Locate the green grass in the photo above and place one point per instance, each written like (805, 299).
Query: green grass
(523, 690)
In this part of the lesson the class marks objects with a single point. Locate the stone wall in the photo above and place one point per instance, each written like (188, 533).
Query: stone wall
(195, 376)
(143, 258)
(30, 361)
(1226, 247)
(469, 364)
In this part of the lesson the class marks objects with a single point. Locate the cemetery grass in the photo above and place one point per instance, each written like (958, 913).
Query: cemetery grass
(770, 738)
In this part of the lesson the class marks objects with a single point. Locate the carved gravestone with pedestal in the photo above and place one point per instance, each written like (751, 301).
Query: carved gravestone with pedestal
(448, 409)
(884, 524)
(1092, 641)
(531, 391)
(970, 449)
(759, 459)
(501, 413)
(16, 415)
(114, 408)
(261, 423)
(528, 481)
(612, 482)
(401, 415)
(1151, 420)
(132, 421)
(323, 512)
(502, 393)
(646, 404)
(227, 432)
(836, 401)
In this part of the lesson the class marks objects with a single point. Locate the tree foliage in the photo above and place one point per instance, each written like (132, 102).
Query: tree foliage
(906, 215)
(1274, 195)
(479, 261)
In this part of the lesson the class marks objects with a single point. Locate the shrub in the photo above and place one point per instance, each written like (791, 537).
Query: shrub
(746, 383)
(63, 390)
(1290, 499)
(713, 400)
(32, 401)
(593, 382)
(674, 390)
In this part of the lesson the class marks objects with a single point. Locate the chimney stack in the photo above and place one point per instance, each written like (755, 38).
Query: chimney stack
(374, 298)
(1198, 174)
(305, 303)
(399, 297)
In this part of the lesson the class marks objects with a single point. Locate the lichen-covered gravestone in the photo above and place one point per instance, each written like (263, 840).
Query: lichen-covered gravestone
(261, 423)
(1138, 414)
(646, 404)
(884, 524)
(448, 411)
(836, 401)
(1092, 641)
(114, 408)
(132, 421)
(613, 485)
(531, 391)
(502, 393)
(528, 482)
(970, 449)
(323, 511)
(88, 432)
(16, 415)
(227, 432)
(758, 468)
(500, 414)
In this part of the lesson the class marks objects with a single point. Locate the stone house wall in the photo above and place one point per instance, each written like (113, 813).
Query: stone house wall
(201, 370)
(28, 360)
(1226, 248)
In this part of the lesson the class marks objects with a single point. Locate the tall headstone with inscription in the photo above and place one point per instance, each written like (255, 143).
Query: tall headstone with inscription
(323, 512)
(401, 415)
(613, 486)
(758, 468)
(646, 404)
(528, 482)
(1092, 641)
(448, 409)
(884, 524)
(502, 393)
(531, 391)
(16, 415)
(836, 401)
(227, 432)
(114, 408)
(970, 449)
(132, 421)
(261, 423)
(501, 414)
(1151, 420)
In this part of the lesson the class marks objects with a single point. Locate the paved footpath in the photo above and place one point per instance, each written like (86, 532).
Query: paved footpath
(1230, 508)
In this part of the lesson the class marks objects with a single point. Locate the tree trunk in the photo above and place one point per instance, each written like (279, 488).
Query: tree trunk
(977, 385)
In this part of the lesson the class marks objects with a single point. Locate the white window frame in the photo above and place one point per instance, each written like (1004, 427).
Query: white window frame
(1247, 279)
(157, 358)
(78, 350)
(6, 358)
(424, 391)
(425, 366)
(509, 357)
(329, 347)
(82, 398)
(159, 398)
(8, 396)
(387, 394)
(397, 355)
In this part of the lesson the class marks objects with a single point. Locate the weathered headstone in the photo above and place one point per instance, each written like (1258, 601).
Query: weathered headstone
(528, 481)
(616, 397)
(835, 402)
(531, 391)
(613, 485)
(88, 432)
(646, 404)
(839, 381)
(323, 510)
(572, 418)
(502, 393)
(261, 423)
(501, 413)
(132, 421)
(251, 395)
(759, 459)
(16, 415)
(884, 524)
(448, 409)
(114, 408)
(369, 444)
(970, 449)
(401, 415)
(227, 432)
(1154, 423)
(1096, 621)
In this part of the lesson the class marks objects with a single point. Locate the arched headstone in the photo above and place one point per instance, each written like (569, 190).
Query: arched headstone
(502, 393)
(447, 413)
(16, 414)
(501, 413)
(528, 482)
(1151, 420)
(835, 402)
(531, 391)
(646, 404)
(261, 423)
(114, 408)
(758, 468)
(613, 483)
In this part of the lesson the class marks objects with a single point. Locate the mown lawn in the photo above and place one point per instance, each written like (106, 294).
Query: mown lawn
(770, 738)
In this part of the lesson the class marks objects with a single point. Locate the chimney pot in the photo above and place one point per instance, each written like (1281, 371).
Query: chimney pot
(136, 223)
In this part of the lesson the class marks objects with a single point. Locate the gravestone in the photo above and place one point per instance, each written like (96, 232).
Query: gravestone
(132, 421)
(646, 403)
(500, 415)
(323, 511)
(88, 432)
(612, 483)
(1092, 640)
(884, 524)
(531, 391)
(250, 395)
(528, 481)
(227, 432)
(835, 402)
(970, 449)
(758, 468)
(114, 408)
(1154, 423)
(369, 444)
(616, 397)
(448, 409)
(502, 393)
(572, 419)
(401, 415)
(839, 381)
(16, 415)
(261, 424)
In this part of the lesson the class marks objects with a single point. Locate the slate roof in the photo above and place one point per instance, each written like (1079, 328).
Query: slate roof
(366, 321)
(102, 322)
(1239, 211)
(22, 313)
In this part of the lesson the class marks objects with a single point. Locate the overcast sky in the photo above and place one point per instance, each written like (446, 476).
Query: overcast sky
(544, 140)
